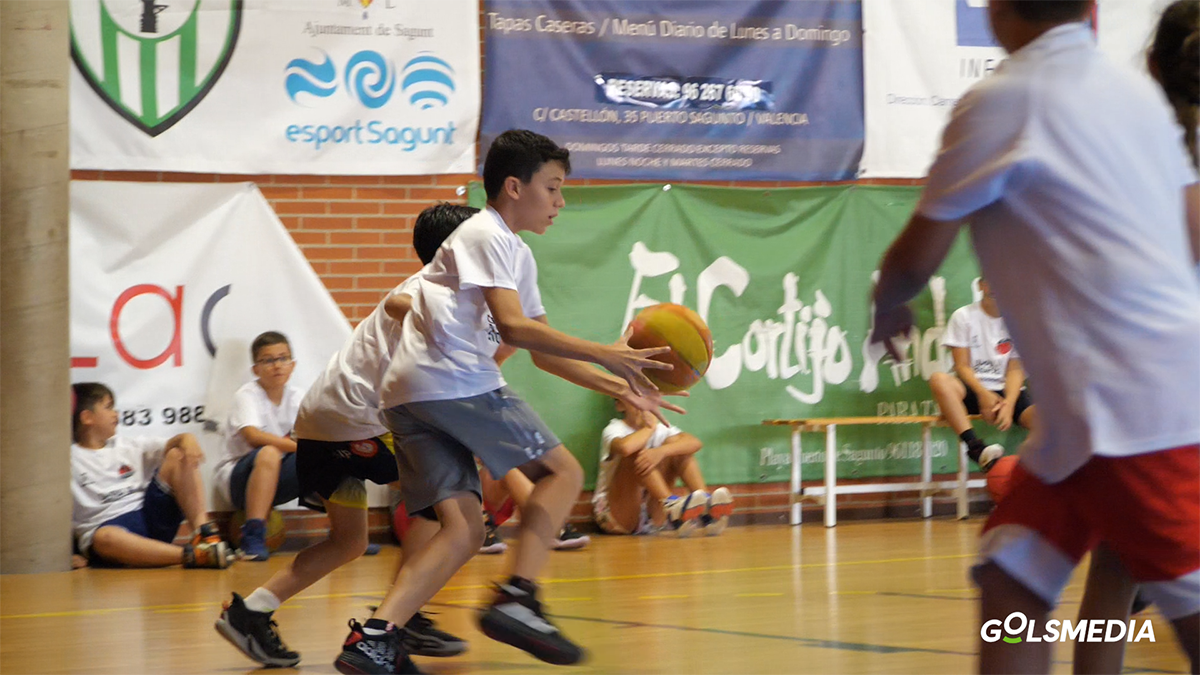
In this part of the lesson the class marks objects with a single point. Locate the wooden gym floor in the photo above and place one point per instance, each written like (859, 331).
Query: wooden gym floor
(877, 597)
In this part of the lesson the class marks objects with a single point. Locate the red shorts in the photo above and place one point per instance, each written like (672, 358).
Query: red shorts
(1146, 508)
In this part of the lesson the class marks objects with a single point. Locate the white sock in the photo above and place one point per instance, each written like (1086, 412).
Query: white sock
(262, 600)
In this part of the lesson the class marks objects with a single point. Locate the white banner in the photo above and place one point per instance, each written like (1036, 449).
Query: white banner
(170, 283)
(920, 56)
(389, 87)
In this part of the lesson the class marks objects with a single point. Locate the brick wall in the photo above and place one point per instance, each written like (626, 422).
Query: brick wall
(356, 231)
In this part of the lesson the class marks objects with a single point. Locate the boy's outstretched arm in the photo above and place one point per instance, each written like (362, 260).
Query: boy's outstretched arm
(906, 267)
(518, 330)
(589, 377)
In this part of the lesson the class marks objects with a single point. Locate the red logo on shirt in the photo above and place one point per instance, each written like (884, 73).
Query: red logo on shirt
(1004, 346)
(125, 471)
(365, 449)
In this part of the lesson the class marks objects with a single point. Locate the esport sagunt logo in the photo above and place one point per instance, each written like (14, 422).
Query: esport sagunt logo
(424, 84)
(153, 62)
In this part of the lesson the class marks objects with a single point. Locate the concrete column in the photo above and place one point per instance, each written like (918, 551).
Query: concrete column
(35, 436)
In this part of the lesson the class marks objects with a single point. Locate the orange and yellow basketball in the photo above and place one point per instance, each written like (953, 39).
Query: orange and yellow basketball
(681, 329)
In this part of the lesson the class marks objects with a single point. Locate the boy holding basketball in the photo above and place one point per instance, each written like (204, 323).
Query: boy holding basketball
(341, 444)
(258, 468)
(640, 456)
(1085, 215)
(447, 403)
(131, 494)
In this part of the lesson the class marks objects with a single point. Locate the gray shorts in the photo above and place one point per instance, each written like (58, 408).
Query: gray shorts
(437, 441)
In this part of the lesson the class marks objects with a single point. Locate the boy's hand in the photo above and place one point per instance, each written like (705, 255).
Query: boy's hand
(989, 406)
(1004, 415)
(890, 325)
(653, 404)
(646, 460)
(627, 363)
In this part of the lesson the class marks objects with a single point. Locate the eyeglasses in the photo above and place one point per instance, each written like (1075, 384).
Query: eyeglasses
(277, 361)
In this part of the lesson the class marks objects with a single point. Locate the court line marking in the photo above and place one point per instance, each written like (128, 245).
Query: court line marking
(664, 597)
(546, 582)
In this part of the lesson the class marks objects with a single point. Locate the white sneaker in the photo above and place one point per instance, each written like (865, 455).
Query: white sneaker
(683, 513)
(989, 456)
(720, 506)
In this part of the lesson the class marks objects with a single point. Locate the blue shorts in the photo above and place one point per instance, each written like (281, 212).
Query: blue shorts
(436, 443)
(159, 519)
(286, 490)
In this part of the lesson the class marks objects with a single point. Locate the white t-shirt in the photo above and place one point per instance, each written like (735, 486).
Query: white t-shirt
(343, 403)
(617, 429)
(987, 340)
(110, 481)
(252, 408)
(447, 347)
(1071, 169)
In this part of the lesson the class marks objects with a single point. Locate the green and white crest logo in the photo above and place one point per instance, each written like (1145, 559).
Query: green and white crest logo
(153, 61)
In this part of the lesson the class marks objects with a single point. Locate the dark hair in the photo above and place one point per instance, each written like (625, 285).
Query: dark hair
(1174, 59)
(1051, 10)
(87, 395)
(435, 224)
(266, 340)
(519, 153)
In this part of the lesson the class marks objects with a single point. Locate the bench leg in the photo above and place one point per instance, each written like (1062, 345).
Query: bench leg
(795, 497)
(831, 475)
(926, 468)
(964, 506)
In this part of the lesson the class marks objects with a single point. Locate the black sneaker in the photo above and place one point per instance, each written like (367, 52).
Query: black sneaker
(255, 634)
(364, 654)
(570, 539)
(492, 543)
(515, 618)
(422, 638)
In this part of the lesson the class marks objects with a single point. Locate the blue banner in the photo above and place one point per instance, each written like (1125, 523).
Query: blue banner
(685, 90)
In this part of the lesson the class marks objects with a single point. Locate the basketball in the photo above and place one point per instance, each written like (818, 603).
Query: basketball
(681, 329)
(998, 476)
(276, 532)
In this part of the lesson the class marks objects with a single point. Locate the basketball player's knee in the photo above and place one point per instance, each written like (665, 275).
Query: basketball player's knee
(465, 537)
(475, 532)
(175, 459)
(104, 541)
(565, 465)
(941, 383)
(268, 456)
(350, 545)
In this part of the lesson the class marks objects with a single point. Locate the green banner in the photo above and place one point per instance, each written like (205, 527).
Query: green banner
(783, 277)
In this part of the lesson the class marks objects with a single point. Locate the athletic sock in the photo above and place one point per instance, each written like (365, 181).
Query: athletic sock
(262, 600)
(975, 446)
(376, 626)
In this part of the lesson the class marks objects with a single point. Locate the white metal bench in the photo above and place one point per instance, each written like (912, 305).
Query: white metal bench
(927, 487)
